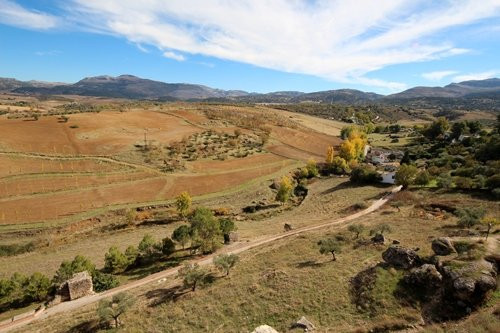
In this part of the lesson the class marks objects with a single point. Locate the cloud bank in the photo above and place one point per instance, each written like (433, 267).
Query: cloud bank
(13, 14)
(342, 41)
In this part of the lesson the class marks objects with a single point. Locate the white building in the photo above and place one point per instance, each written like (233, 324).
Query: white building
(388, 177)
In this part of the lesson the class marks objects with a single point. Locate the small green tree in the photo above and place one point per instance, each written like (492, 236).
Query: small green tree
(224, 262)
(183, 203)
(167, 246)
(205, 230)
(112, 309)
(181, 235)
(330, 246)
(406, 175)
(469, 216)
(131, 253)
(284, 190)
(147, 248)
(226, 226)
(115, 261)
(68, 268)
(103, 281)
(356, 229)
(192, 275)
(37, 287)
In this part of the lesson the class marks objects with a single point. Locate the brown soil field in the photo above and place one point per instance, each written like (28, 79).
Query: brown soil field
(104, 133)
(66, 203)
(51, 183)
(19, 165)
(312, 142)
(234, 164)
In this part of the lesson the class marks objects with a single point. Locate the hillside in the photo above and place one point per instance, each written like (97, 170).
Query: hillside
(469, 94)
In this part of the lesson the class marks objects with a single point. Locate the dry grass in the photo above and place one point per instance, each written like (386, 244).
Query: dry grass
(278, 283)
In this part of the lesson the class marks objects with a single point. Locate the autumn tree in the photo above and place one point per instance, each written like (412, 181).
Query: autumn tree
(183, 203)
(312, 168)
(284, 190)
(330, 153)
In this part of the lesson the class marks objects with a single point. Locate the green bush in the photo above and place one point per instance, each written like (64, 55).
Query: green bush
(365, 175)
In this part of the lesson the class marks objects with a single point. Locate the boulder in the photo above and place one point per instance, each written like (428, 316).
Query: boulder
(442, 246)
(401, 257)
(378, 239)
(471, 282)
(287, 227)
(264, 329)
(304, 324)
(425, 276)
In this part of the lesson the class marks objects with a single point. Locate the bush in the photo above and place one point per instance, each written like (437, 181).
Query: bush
(115, 261)
(68, 268)
(469, 216)
(103, 281)
(167, 246)
(365, 175)
(224, 262)
(15, 249)
(181, 235)
(423, 178)
(406, 175)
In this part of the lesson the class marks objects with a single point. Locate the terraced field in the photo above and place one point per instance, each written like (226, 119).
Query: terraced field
(53, 171)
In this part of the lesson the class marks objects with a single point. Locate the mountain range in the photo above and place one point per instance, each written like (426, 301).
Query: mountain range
(129, 86)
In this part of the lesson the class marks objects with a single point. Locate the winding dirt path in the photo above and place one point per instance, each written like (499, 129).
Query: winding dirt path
(204, 261)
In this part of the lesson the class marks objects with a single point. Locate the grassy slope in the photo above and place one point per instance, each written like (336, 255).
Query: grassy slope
(277, 284)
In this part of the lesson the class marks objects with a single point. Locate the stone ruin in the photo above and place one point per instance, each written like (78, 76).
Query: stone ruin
(79, 285)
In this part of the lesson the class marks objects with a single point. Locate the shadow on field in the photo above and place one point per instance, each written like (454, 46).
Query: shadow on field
(309, 263)
(165, 295)
(86, 326)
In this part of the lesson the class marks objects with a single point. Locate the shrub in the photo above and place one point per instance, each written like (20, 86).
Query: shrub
(68, 268)
(365, 175)
(115, 261)
(406, 175)
(15, 249)
(167, 246)
(147, 247)
(469, 216)
(103, 281)
(226, 226)
(423, 178)
(312, 168)
(356, 229)
(132, 254)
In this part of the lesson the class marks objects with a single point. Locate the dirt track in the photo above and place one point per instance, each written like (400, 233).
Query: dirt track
(207, 260)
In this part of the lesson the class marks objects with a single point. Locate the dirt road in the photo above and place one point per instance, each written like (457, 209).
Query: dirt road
(207, 260)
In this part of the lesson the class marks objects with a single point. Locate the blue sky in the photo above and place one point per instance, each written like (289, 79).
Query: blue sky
(383, 46)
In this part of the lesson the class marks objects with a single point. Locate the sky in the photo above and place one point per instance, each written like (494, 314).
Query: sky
(384, 46)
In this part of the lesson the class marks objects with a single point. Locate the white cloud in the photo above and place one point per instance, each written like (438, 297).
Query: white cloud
(47, 53)
(337, 40)
(13, 14)
(438, 75)
(173, 55)
(476, 76)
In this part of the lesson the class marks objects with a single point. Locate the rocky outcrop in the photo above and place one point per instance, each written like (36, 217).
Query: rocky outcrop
(401, 257)
(426, 275)
(304, 324)
(378, 239)
(264, 329)
(442, 246)
(471, 282)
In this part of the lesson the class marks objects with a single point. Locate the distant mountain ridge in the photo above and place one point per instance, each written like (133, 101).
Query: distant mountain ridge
(133, 87)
